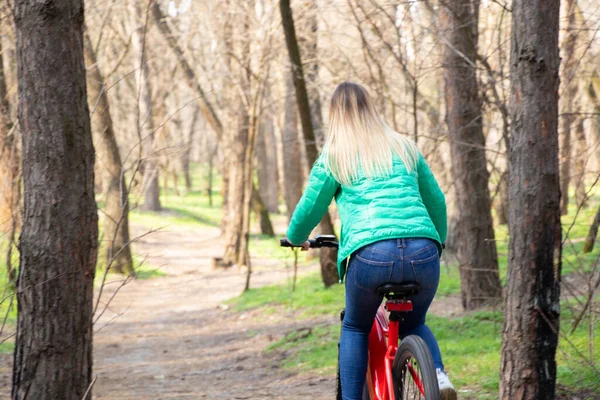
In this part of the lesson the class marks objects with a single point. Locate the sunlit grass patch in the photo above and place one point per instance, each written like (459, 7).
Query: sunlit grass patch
(470, 345)
(310, 298)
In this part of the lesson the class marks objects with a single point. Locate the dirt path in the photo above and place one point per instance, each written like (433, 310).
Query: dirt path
(172, 339)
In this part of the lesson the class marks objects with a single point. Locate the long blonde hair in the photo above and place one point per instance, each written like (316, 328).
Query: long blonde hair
(360, 139)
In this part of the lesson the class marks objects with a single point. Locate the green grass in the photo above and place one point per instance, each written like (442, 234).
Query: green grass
(470, 344)
(310, 298)
(184, 209)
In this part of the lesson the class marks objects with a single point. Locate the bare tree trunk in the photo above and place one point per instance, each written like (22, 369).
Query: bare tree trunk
(532, 307)
(53, 351)
(116, 191)
(309, 46)
(567, 99)
(210, 177)
(187, 150)
(480, 282)
(328, 258)
(266, 166)
(144, 116)
(237, 189)
(293, 175)
(244, 255)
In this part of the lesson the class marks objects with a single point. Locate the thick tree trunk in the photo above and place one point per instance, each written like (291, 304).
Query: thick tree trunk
(476, 245)
(9, 160)
(266, 166)
(237, 189)
(328, 258)
(53, 351)
(293, 176)
(144, 116)
(567, 100)
(532, 307)
(116, 192)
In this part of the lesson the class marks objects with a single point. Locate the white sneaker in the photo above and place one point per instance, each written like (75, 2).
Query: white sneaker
(447, 391)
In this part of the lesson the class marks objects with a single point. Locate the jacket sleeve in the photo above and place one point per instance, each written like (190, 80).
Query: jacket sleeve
(311, 208)
(433, 198)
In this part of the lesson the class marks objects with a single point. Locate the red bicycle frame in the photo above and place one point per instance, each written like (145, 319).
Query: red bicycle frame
(383, 344)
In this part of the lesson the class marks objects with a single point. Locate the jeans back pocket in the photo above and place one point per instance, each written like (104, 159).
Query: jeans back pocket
(427, 270)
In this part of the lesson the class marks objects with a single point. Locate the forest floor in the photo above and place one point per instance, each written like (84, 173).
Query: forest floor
(175, 337)
(186, 333)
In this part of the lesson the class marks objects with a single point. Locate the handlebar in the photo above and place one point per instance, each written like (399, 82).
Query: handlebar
(321, 241)
(316, 243)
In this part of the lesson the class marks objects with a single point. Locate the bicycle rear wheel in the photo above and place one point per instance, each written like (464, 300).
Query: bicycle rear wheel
(413, 371)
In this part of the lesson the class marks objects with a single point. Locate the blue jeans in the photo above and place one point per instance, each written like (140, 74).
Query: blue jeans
(396, 260)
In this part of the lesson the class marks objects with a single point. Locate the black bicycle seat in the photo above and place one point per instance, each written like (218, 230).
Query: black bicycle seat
(398, 290)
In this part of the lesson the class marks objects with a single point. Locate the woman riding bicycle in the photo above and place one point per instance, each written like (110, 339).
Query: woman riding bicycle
(393, 217)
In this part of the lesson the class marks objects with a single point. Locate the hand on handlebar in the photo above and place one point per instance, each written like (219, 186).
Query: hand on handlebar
(305, 246)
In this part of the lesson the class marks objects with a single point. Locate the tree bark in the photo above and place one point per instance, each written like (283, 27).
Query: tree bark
(293, 175)
(144, 115)
(187, 150)
(532, 307)
(240, 146)
(567, 100)
(53, 351)
(309, 46)
(328, 258)
(116, 192)
(266, 166)
(299, 82)
(476, 245)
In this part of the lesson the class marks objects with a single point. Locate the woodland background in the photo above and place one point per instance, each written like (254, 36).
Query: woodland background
(199, 118)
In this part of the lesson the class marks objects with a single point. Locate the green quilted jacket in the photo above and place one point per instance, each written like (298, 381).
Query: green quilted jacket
(402, 205)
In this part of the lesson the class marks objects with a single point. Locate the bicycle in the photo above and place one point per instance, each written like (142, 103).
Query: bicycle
(394, 372)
